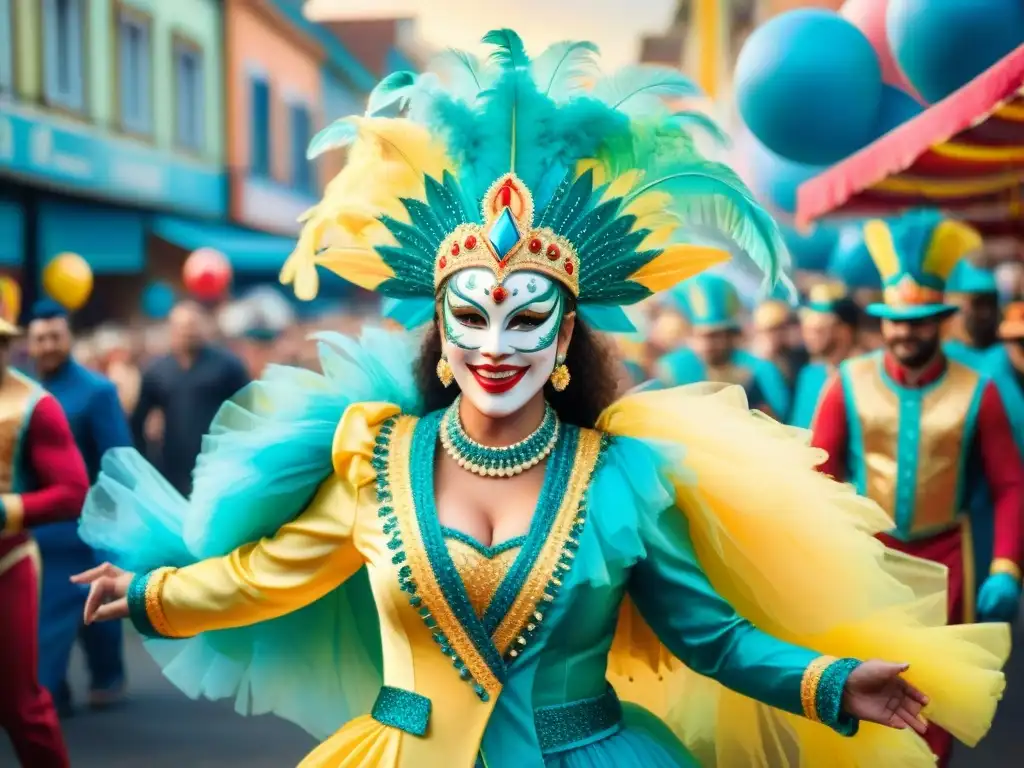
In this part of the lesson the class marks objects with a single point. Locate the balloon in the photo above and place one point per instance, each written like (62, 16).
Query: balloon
(851, 261)
(67, 279)
(10, 299)
(943, 46)
(809, 85)
(207, 274)
(869, 17)
(158, 300)
(774, 180)
(897, 107)
(811, 252)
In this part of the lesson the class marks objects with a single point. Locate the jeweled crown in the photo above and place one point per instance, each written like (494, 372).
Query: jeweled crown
(507, 242)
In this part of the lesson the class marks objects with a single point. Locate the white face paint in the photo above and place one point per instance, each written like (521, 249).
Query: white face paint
(501, 353)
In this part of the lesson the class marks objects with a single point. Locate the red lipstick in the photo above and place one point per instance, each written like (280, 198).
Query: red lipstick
(497, 379)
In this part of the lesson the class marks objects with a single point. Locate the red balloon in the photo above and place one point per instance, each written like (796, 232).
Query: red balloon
(207, 274)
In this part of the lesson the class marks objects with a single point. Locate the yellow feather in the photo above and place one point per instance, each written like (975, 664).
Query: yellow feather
(622, 185)
(951, 241)
(675, 264)
(360, 266)
(658, 238)
(878, 238)
(590, 164)
(652, 211)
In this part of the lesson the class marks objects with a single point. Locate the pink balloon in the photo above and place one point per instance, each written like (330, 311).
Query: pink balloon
(869, 17)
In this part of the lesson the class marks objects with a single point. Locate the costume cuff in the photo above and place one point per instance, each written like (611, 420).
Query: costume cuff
(144, 606)
(821, 693)
(1007, 566)
(12, 513)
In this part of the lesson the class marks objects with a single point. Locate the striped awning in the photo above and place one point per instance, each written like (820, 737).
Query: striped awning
(964, 155)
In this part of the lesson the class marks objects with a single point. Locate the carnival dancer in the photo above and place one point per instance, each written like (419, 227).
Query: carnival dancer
(913, 429)
(438, 561)
(98, 423)
(775, 339)
(42, 480)
(712, 309)
(828, 322)
(1005, 364)
(974, 330)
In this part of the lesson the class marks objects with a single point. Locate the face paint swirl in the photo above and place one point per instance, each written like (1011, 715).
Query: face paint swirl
(501, 341)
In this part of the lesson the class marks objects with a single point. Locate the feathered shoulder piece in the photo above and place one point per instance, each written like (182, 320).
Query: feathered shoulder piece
(519, 164)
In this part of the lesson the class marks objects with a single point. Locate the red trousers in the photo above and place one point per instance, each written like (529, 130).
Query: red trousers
(26, 709)
(946, 548)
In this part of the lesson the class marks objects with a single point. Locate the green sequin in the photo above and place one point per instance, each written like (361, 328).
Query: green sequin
(828, 700)
(502, 461)
(405, 710)
(137, 612)
(566, 726)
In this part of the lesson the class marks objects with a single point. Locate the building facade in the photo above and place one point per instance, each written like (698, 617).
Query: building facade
(108, 114)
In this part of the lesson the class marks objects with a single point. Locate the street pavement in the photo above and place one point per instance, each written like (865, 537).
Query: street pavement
(161, 728)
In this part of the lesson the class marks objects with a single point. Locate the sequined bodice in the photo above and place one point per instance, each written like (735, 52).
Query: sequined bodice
(482, 569)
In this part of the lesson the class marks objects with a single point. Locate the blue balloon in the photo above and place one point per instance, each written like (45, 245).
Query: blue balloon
(897, 107)
(775, 180)
(158, 300)
(943, 46)
(811, 252)
(851, 261)
(809, 86)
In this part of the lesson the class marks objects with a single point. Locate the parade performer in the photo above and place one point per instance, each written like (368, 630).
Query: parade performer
(98, 423)
(1005, 364)
(361, 547)
(913, 429)
(711, 307)
(774, 327)
(42, 480)
(973, 332)
(828, 321)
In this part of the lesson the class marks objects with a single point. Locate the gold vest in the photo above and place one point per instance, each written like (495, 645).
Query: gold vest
(908, 447)
(18, 396)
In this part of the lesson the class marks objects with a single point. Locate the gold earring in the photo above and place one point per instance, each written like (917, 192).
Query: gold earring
(560, 377)
(444, 372)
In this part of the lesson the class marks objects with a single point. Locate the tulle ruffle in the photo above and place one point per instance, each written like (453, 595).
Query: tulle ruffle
(267, 452)
(795, 553)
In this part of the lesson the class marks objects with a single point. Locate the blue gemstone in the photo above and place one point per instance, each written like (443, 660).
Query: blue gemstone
(504, 234)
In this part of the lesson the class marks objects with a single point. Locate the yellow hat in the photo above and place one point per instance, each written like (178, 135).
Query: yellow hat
(772, 314)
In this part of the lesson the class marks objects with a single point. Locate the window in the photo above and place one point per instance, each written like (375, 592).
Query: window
(6, 46)
(63, 53)
(260, 120)
(303, 170)
(133, 72)
(188, 76)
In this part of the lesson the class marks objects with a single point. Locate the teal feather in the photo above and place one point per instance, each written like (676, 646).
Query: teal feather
(509, 51)
(411, 313)
(448, 207)
(410, 238)
(573, 203)
(463, 74)
(587, 226)
(340, 133)
(703, 123)
(560, 71)
(422, 217)
(607, 319)
(636, 90)
(391, 91)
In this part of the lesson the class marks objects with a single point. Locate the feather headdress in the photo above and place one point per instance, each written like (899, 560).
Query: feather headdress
(519, 164)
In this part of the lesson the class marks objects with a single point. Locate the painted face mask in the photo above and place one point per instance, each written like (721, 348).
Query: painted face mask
(501, 354)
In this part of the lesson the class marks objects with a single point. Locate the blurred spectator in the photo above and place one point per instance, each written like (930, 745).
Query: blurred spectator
(187, 386)
(98, 424)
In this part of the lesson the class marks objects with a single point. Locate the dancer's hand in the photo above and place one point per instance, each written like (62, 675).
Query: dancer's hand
(876, 692)
(107, 592)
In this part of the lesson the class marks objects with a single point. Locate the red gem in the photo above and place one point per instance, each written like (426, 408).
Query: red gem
(455, 249)
(568, 267)
(506, 194)
(471, 242)
(535, 245)
(553, 252)
(442, 263)
(499, 295)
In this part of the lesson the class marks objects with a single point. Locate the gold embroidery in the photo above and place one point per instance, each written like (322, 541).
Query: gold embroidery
(521, 615)
(28, 549)
(427, 587)
(1005, 565)
(154, 606)
(480, 574)
(809, 686)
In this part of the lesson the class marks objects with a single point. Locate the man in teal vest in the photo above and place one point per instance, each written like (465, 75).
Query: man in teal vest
(829, 321)
(975, 327)
(712, 307)
(914, 430)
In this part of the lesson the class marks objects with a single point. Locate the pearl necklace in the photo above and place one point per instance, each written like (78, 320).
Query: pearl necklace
(506, 461)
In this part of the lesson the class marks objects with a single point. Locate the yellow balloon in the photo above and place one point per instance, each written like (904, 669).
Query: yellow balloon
(67, 279)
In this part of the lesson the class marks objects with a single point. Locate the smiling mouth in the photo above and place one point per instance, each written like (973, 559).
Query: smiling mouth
(497, 379)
